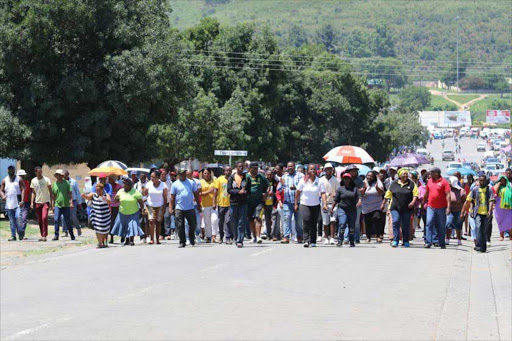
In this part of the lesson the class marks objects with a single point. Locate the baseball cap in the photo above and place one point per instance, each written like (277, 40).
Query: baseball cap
(328, 165)
(182, 170)
(195, 174)
(133, 172)
(347, 175)
(59, 171)
(376, 169)
(21, 172)
(351, 167)
(128, 181)
(435, 169)
(254, 165)
(393, 168)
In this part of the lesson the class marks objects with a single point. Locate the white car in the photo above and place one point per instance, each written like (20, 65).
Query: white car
(494, 169)
(422, 151)
(448, 155)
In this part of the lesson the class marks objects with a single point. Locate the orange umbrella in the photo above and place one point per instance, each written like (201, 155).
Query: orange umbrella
(107, 170)
(348, 155)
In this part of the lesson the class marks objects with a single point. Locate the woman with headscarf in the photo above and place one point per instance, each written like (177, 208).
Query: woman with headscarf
(210, 215)
(100, 213)
(371, 202)
(453, 220)
(503, 206)
(467, 188)
(403, 194)
(347, 197)
(127, 221)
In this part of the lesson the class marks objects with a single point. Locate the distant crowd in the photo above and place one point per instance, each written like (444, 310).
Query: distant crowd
(278, 204)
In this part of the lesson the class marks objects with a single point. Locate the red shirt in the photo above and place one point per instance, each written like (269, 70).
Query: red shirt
(437, 193)
(27, 191)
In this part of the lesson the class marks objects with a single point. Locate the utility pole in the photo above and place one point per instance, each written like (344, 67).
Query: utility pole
(457, 21)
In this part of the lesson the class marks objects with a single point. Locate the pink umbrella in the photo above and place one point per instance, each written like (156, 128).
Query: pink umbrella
(348, 154)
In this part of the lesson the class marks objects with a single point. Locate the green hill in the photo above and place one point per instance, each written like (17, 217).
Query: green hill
(423, 30)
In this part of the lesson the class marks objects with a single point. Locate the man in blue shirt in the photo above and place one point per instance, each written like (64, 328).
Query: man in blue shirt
(183, 192)
(289, 182)
(77, 200)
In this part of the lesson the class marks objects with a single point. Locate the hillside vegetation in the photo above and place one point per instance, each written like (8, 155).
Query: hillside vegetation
(423, 30)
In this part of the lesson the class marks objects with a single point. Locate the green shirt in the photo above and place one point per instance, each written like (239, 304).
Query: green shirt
(61, 191)
(128, 201)
(259, 185)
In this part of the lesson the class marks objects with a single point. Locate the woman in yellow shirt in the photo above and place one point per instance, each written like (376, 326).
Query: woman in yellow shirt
(210, 217)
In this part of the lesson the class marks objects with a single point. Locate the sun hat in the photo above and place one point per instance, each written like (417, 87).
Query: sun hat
(59, 171)
(454, 182)
(328, 165)
(21, 172)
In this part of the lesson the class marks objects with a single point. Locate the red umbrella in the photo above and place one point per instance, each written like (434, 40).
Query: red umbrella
(348, 154)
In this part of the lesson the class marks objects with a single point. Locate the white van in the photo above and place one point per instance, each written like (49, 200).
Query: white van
(448, 132)
(464, 131)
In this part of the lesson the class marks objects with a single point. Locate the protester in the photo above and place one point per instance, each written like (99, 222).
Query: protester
(371, 200)
(257, 186)
(183, 193)
(114, 205)
(130, 202)
(453, 220)
(238, 189)
(9, 189)
(140, 186)
(135, 180)
(290, 181)
(354, 172)
(437, 198)
(156, 193)
(100, 214)
(41, 200)
(312, 190)
(503, 206)
(193, 176)
(346, 199)
(392, 171)
(25, 202)
(467, 188)
(76, 202)
(402, 194)
(272, 220)
(221, 201)
(63, 202)
(167, 222)
(330, 185)
(210, 214)
(481, 199)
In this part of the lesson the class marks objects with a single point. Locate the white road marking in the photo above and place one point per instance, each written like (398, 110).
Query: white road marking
(262, 252)
(35, 329)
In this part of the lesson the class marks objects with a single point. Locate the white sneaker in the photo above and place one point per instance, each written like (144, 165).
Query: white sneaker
(488, 244)
(459, 242)
(295, 239)
(259, 241)
(318, 239)
(447, 242)
(326, 241)
(188, 242)
(198, 240)
(333, 241)
(173, 237)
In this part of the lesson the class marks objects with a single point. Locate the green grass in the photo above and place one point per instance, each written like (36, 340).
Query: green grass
(493, 102)
(438, 102)
(462, 99)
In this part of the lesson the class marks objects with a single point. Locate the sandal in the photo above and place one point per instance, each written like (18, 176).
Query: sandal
(152, 242)
(158, 242)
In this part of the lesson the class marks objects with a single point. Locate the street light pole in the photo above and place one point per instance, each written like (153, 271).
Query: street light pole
(457, 20)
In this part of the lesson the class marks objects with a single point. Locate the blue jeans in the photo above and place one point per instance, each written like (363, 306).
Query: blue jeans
(346, 218)
(198, 223)
(22, 220)
(66, 212)
(238, 221)
(357, 226)
(436, 226)
(453, 221)
(288, 213)
(13, 222)
(403, 219)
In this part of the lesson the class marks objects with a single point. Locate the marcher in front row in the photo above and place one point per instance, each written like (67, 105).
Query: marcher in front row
(403, 194)
(100, 213)
(127, 223)
(347, 197)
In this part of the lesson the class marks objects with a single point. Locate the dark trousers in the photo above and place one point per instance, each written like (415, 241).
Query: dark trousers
(190, 215)
(239, 221)
(309, 222)
(346, 218)
(224, 225)
(373, 224)
(488, 230)
(65, 212)
(482, 223)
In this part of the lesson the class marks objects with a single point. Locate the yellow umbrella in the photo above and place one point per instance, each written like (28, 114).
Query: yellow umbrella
(108, 171)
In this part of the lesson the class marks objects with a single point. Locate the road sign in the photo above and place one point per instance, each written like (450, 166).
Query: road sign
(231, 152)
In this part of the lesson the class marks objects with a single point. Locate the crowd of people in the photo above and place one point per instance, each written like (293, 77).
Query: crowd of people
(280, 204)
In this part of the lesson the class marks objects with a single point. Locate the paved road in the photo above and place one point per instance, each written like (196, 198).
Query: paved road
(267, 291)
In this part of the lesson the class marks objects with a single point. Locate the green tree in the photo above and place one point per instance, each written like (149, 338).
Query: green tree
(13, 133)
(328, 36)
(383, 41)
(297, 36)
(89, 78)
(358, 45)
(415, 98)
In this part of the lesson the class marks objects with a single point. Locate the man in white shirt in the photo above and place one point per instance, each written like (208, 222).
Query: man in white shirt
(11, 187)
(330, 184)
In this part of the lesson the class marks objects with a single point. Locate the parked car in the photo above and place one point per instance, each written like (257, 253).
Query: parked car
(480, 147)
(448, 155)
(438, 136)
(494, 169)
(471, 165)
(423, 151)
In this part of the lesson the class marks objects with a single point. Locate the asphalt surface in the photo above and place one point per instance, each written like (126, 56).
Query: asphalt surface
(267, 291)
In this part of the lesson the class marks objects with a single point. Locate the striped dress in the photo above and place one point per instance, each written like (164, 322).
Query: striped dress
(100, 214)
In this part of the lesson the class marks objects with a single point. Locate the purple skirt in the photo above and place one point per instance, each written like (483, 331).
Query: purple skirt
(503, 217)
